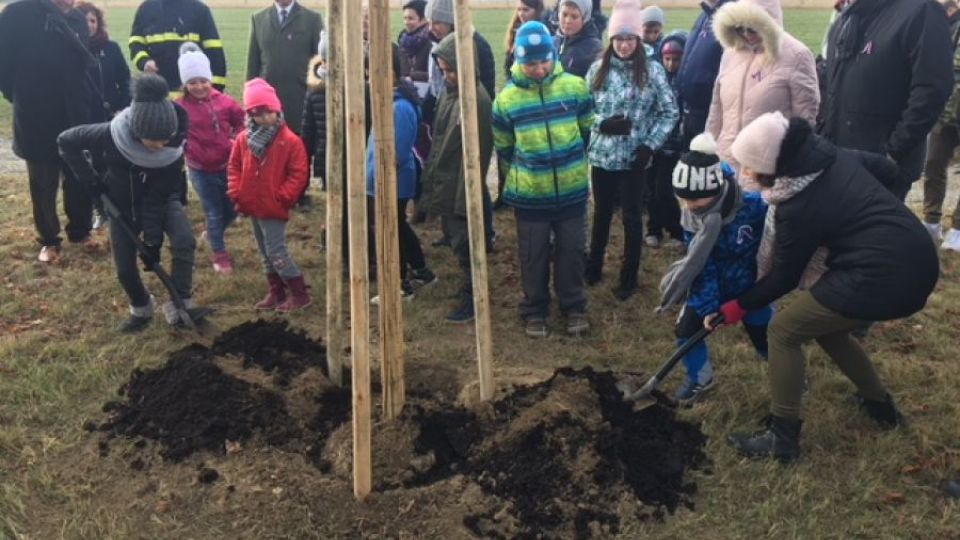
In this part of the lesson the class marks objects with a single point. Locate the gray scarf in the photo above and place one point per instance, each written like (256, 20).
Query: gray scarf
(260, 137)
(705, 226)
(134, 151)
(783, 190)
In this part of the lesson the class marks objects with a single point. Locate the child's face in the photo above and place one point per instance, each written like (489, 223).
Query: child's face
(651, 32)
(538, 70)
(624, 46)
(449, 73)
(571, 20)
(264, 117)
(154, 145)
(440, 30)
(671, 63)
(411, 20)
(525, 13)
(199, 88)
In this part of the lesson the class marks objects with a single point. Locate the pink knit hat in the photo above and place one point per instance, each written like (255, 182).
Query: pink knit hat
(758, 145)
(258, 93)
(626, 19)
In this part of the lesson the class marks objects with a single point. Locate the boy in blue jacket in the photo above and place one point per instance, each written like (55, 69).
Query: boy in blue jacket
(722, 229)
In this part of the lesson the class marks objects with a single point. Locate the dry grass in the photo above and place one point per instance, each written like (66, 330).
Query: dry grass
(60, 359)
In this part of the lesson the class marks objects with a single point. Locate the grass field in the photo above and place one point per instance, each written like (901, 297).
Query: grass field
(60, 360)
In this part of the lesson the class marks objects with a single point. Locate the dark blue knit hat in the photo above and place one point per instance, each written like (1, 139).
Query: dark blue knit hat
(533, 43)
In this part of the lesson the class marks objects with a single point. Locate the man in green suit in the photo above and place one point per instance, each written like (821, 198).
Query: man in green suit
(283, 39)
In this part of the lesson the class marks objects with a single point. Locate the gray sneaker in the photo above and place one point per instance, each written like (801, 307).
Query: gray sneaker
(536, 327)
(577, 324)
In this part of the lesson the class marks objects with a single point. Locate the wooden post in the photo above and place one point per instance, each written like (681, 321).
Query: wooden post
(467, 76)
(335, 183)
(359, 264)
(388, 245)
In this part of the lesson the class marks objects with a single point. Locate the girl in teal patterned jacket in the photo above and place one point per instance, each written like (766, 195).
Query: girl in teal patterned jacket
(541, 122)
(636, 112)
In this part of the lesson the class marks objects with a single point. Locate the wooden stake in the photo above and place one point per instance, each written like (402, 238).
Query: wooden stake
(388, 245)
(335, 184)
(467, 76)
(359, 264)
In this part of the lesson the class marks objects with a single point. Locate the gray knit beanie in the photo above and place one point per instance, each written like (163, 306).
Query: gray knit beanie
(585, 7)
(152, 115)
(440, 11)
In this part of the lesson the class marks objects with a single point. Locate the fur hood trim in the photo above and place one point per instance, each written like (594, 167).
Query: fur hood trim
(764, 16)
(315, 83)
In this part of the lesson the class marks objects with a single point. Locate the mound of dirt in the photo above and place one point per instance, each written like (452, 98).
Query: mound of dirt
(273, 346)
(259, 379)
(565, 458)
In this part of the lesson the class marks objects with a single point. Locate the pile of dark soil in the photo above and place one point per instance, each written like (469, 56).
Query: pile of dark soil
(564, 458)
(258, 380)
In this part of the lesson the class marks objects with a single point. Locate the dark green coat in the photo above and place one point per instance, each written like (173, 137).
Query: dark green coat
(444, 184)
(281, 55)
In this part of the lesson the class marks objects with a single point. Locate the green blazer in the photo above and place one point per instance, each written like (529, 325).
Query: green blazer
(281, 54)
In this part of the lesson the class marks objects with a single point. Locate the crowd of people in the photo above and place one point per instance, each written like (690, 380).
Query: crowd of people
(764, 169)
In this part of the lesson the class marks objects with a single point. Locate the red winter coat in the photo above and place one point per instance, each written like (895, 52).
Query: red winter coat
(214, 122)
(268, 188)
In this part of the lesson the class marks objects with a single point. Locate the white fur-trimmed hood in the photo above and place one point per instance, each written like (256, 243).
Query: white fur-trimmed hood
(764, 16)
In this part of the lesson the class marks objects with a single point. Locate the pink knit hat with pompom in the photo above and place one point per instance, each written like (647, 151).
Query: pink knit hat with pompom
(626, 19)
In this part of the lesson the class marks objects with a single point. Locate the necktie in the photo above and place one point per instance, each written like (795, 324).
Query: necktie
(283, 16)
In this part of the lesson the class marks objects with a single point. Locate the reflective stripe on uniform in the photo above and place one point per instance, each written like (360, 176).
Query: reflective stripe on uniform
(172, 36)
(137, 39)
(212, 44)
(140, 56)
(219, 80)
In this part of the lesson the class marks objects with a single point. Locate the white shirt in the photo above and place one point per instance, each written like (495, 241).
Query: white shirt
(289, 8)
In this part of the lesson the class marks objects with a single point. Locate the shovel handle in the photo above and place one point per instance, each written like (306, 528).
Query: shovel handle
(692, 342)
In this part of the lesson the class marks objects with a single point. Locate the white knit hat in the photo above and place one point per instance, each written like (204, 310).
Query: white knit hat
(758, 145)
(193, 64)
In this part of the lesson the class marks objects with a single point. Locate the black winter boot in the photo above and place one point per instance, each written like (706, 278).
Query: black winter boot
(626, 286)
(780, 440)
(883, 412)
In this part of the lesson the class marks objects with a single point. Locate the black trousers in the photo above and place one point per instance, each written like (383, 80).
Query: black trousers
(663, 209)
(411, 252)
(610, 189)
(77, 204)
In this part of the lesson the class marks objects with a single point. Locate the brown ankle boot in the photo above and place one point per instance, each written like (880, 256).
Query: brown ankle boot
(275, 296)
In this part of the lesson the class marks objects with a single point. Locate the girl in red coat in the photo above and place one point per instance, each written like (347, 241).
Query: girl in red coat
(268, 171)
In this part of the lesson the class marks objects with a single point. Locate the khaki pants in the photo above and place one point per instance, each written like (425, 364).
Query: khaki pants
(804, 320)
(943, 141)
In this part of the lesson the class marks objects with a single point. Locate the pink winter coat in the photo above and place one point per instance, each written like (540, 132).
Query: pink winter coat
(214, 124)
(778, 75)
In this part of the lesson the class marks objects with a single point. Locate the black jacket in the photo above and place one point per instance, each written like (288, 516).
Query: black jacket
(110, 76)
(578, 53)
(486, 65)
(889, 73)
(43, 72)
(882, 264)
(313, 128)
(141, 194)
(161, 26)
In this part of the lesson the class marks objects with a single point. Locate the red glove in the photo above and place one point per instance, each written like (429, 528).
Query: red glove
(732, 312)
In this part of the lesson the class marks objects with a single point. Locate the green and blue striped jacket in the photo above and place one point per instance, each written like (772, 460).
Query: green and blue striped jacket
(540, 129)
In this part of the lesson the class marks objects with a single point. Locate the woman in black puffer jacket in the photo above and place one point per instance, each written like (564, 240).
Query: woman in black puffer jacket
(835, 229)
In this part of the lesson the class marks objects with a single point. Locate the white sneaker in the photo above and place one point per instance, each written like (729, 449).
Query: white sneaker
(952, 241)
(934, 230)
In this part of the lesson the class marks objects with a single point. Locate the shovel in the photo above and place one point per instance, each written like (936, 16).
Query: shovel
(646, 395)
(189, 318)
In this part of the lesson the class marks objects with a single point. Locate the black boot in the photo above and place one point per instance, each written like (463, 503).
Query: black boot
(593, 273)
(780, 440)
(883, 412)
(626, 287)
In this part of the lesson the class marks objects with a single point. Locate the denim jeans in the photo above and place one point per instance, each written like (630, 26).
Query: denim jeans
(271, 237)
(217, 208)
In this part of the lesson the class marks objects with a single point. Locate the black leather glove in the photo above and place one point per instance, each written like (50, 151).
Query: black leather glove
(642, 157)
(616, 125)
(150, 257)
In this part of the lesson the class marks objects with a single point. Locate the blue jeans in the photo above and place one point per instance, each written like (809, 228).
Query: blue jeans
(217, 208)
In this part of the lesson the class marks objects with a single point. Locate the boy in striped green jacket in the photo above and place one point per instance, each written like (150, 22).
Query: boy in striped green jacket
(541, 125)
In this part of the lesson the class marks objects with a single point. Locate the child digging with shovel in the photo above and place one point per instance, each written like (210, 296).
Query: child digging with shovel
(141, 152)
(722, 228)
